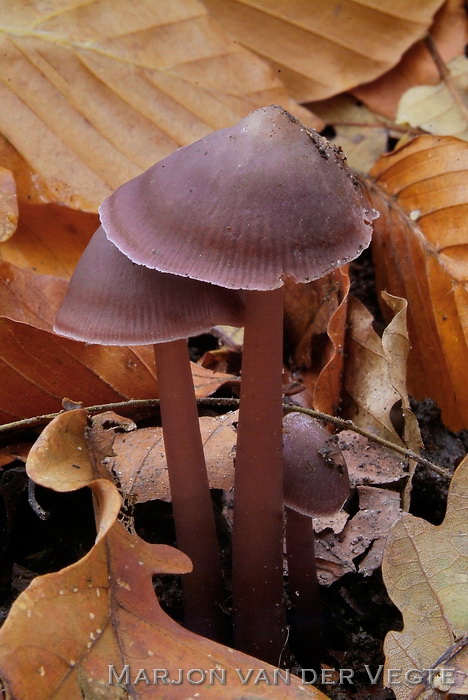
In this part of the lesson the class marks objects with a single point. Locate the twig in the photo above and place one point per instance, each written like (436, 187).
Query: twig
(445, 75)
(38, 421)
(382, 125)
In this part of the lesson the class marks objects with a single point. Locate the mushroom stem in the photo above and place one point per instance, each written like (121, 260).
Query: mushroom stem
(307, 624)
(203, 591)
(257, 578)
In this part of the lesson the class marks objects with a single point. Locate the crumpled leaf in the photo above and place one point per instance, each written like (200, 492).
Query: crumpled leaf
(375, 372)
(375, 378)
(368, 462)
(434, 109)
(420, 253)
(449, 32)
(323, 49)
(8, 204)
(425, 570)
(363, 537)
(107, 90)
(315, 322)
(104, 608)
(39, 368)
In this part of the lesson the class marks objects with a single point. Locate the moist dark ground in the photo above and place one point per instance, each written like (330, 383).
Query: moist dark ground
(358, 610)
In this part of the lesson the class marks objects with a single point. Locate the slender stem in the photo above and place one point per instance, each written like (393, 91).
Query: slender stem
(257, 580)
(307, 621)
(203, 591)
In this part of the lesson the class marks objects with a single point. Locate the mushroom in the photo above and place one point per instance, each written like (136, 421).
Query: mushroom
(244, 208)
(112, 301)
(316, 483)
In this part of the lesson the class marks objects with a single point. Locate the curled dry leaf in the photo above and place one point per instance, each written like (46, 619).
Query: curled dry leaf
(322, 49)
(375, 373)
(434, 108)
(39, 368)
(8, 205)
(425, 570)
(315, 321)
(108, 90)
(449, 32)
(420, 253)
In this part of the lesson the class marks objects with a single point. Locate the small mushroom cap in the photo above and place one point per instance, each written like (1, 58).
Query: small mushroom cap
(112, 301)
(316, 480)
(244, 207)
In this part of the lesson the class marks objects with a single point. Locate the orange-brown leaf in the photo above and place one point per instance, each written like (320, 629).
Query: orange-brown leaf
(39, 368)
(94, 93)
(320, 48)
(315, 321)
(420, 249)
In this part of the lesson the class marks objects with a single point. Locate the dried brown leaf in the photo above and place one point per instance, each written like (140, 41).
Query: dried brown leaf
(320, 48)
(420, 252)
(363, 536)
(375, 373)
(425, 569)
(449, 32)
(94, 93)
(368, 462)
(140, 458)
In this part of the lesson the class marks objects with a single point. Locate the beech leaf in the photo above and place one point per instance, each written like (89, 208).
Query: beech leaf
(40, 368)
(322, 49)
(93, 94)
(420, 253)
(425, 570)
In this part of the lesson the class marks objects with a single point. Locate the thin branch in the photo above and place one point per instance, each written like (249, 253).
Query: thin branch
(37, 421)
(387, 126)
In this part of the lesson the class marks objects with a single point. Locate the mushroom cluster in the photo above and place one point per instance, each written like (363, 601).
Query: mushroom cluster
(243, 209)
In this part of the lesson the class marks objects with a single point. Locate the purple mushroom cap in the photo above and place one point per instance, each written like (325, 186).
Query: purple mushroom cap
(244, 207)
(316, 479)
(112, 301)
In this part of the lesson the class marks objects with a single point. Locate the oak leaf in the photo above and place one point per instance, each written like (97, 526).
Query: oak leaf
(425, 570)
(67, 628)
